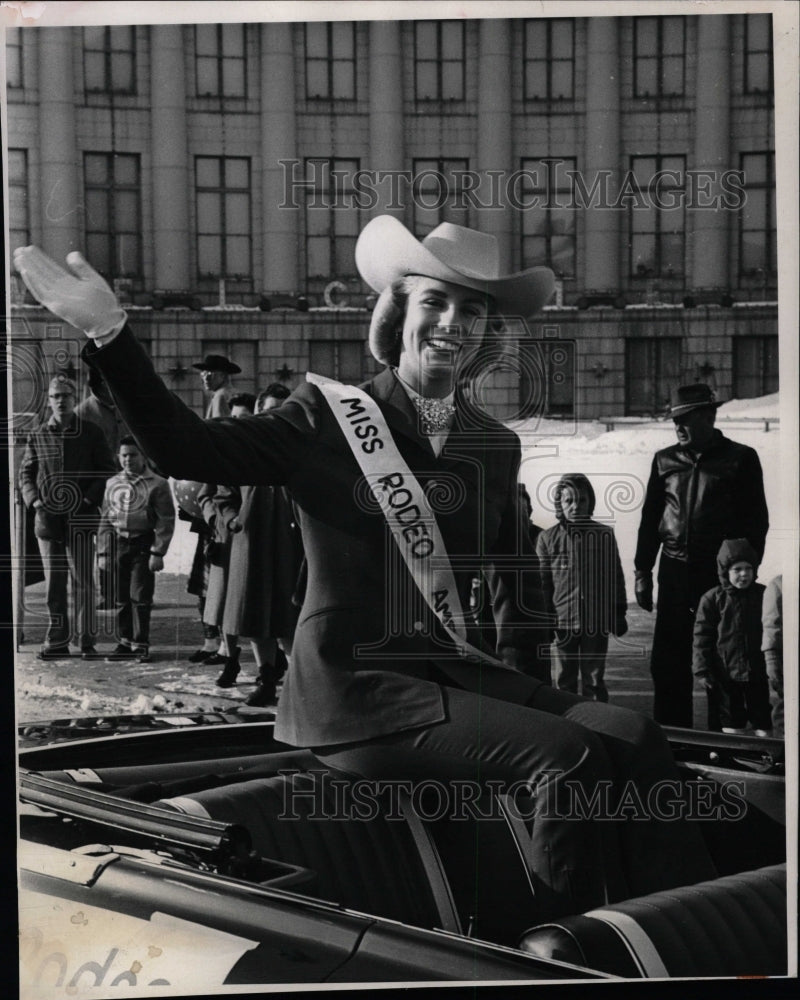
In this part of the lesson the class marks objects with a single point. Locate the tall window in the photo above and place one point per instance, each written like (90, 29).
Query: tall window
(652, 371)
(437, 192)
(755, 366)
(109, 59)
(757, 227)
(339, 359)
(332, 220)
(113, 213)
(549, 59)
(659, 56)
(656, 216)
(220, 60)
(758, 54)
(439, 60)
(14, 75)
(331, 59)
(548, 225)
(223, 217)
(19, 233)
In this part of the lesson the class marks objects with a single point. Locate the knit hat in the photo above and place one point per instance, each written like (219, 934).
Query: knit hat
(735, 550)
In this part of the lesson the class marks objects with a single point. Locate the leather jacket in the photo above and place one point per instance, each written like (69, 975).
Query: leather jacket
(694, 502)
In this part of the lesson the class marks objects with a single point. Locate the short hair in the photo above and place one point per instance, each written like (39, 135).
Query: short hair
(245, 399)
(274, 389)
(131, 442)
(62, 382)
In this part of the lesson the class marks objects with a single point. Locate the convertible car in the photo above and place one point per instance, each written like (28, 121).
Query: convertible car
(196, 853)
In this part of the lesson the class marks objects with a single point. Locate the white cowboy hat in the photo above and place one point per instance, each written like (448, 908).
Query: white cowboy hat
(386, 250)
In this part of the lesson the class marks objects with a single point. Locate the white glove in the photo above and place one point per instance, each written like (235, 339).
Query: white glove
(82, 298)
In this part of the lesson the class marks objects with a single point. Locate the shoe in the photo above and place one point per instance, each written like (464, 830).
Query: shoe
(263, 695)
(200, 656)
(143, 656)
(762, 732)
(53, 653)
(89, 653)
(215, 659)
(227, 679)
(121, 652)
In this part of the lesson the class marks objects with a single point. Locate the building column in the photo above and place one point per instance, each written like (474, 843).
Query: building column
(386, 132)
(709, 232)
(61, 218)
(282, 203)
(494, 131)
(172, 185)
(602, 153)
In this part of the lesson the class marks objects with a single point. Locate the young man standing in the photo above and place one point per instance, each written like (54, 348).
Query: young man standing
(136, 528)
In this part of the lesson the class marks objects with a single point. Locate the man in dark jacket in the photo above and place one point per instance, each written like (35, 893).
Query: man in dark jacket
(702, 490)
(62, 477)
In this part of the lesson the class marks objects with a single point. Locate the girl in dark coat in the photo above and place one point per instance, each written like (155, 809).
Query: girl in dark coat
(583, 586)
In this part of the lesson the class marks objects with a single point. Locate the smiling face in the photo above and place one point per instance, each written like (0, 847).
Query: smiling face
(438, 321)
(741, 575)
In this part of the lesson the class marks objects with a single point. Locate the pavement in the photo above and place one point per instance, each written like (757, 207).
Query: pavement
(72, 687)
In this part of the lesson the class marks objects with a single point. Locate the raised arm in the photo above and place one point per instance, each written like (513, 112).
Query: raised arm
(253, 450)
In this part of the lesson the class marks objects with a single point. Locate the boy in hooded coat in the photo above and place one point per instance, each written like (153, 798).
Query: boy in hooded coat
(727, 644)
(583, 587)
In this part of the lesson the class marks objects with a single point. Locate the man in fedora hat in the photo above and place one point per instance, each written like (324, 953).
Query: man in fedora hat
(702, 490)
(215, 374)
(402, 490)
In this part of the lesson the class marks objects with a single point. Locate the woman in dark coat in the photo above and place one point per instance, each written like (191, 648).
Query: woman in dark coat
(382, 681)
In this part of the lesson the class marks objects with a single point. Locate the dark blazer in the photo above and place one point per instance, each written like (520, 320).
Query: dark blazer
(368, 656)
(66, 468)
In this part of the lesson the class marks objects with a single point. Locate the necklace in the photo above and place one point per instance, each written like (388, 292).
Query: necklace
(436, 415)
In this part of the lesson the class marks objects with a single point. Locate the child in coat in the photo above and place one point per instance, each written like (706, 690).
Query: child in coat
(583, 586)
(727, 644)
(135, 530)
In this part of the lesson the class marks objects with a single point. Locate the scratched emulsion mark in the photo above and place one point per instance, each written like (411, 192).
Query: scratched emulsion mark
(53, 210)
(79, 918)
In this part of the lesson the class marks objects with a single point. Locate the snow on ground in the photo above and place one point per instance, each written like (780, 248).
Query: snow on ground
(618, 464)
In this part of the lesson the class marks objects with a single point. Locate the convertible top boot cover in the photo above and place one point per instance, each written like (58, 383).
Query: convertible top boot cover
(731, 926)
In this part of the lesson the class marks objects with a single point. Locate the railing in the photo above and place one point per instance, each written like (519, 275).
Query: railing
(743, 423)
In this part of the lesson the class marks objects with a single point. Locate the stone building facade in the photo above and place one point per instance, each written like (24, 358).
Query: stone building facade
(219, 175)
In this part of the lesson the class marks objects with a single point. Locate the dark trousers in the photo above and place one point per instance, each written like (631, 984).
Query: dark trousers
(71, 558)
(563, 749)
(680, 587)
(579, 653)
(134, 585)
(732, 704)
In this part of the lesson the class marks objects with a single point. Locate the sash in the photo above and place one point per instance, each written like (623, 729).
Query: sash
(403, 503)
